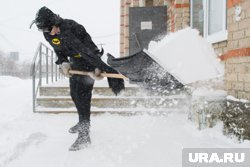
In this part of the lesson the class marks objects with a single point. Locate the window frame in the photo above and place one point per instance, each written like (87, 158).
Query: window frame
(215, 37)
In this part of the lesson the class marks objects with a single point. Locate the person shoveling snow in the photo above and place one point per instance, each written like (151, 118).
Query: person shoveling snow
(70, 39)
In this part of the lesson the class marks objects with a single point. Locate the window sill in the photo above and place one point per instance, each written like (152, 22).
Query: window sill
(217, 37)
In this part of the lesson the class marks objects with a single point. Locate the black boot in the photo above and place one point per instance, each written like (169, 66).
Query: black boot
(75, 128)
(83, 139)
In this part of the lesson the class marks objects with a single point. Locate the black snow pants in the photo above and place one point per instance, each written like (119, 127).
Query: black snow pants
(81, 92)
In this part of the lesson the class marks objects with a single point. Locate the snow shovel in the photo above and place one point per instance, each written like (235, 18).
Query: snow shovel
(108, 75)
(141, 69)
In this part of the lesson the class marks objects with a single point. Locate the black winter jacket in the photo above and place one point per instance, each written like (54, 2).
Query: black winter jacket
(74, 42)
(69, 29)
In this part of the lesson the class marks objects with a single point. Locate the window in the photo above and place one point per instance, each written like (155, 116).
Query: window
(209, 17)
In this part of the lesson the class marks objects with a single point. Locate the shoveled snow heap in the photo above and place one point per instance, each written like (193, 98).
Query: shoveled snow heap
(187, 56)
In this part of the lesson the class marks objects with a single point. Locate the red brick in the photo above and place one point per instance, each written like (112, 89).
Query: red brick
(236, 53)
(232, 3)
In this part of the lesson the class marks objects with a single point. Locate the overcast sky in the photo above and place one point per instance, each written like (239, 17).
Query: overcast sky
(100, 18)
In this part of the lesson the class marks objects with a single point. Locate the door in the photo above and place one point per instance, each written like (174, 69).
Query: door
(146, 24)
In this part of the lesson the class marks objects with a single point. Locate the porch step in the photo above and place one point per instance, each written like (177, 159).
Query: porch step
(55, 98)
(116, 101)
(102, 91)
(120, 111)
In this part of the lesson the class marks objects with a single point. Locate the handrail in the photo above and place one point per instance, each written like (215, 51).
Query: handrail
(34, 59)
(43, 67)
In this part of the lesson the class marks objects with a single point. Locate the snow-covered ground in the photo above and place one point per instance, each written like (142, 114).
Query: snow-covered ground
(41, 140)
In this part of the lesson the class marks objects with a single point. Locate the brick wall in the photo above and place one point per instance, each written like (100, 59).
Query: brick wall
(237, 76)
(237, 70)
(237, 57)
(122, 19)
(178, 14)
(135, 3)
(235, 51)
(159, 2)
(124, 25)
(220, 48)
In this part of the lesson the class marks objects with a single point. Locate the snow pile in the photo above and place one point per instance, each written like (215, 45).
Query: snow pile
(211, 94)
(232, 98)
(187, 56)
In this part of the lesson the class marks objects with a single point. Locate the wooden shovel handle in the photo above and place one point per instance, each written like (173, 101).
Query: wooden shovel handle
(110, 75)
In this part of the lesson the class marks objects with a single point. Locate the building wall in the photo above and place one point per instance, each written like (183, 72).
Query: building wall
(220, 48)
(159, 2)
(235, 52)
(178, 17)
(237, 57)
(124, 27)
(178, 14)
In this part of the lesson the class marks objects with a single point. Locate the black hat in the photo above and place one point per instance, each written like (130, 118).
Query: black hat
(45, 18)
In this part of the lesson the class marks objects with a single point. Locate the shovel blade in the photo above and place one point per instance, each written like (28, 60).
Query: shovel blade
(141, 69)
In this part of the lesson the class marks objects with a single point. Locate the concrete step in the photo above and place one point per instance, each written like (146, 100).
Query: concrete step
(116, 101)
(61, 88)
(55, 98)
(120, 111)
(102, 91)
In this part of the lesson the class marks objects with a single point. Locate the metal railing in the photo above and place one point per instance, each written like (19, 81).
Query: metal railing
(43, 70)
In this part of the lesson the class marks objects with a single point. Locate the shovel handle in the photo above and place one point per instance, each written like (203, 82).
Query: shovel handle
(109, 75)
